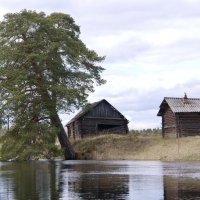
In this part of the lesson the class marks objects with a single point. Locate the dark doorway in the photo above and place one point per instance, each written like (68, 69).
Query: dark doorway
(106, 127)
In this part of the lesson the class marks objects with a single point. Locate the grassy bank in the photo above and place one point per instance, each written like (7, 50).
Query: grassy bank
(132, 147)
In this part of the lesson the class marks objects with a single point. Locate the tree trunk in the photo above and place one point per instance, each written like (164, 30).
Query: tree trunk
(69, 152)
(50, 104)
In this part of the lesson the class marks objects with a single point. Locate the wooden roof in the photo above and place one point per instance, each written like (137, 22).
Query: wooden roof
(89, 108)
(180, 105)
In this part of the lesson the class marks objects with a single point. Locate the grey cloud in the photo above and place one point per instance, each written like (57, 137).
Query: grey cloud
(102, 18)
(114, 16)
(52, 5)
(126, 51)
(181, 50)
(132, 11)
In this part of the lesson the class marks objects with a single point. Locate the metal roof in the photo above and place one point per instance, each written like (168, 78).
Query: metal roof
(178, 105)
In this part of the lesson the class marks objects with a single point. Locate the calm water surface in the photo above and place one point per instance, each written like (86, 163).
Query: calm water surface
(131, 180)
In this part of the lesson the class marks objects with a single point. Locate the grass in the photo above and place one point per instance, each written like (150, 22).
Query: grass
(136, 147)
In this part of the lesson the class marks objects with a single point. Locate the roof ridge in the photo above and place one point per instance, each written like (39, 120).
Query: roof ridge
(180, 98)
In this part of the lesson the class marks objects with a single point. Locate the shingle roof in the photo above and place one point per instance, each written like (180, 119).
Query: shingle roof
(177, 105)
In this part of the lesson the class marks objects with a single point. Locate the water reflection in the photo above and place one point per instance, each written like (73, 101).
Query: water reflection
(26, 181)
(146, 181)
(130, 180)
(89, 180)
(181, 188)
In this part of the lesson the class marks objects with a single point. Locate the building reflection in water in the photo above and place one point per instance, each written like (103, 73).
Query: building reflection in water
(181, 188)
(96, 180)
(89, 181)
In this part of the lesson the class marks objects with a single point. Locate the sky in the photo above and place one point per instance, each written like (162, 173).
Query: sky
(152, 50)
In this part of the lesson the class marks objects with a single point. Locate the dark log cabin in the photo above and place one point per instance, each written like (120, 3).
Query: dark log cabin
(96, 118)
(180, 116)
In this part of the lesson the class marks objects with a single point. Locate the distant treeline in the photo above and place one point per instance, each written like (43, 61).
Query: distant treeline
(147, 131)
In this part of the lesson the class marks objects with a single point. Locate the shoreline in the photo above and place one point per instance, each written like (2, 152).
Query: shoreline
(137, 147)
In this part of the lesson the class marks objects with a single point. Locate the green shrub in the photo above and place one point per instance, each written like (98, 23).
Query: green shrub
(34, 142)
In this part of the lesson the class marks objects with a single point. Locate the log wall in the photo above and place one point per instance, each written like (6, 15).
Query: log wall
(180, 124)
(189, 124)
(168, 123)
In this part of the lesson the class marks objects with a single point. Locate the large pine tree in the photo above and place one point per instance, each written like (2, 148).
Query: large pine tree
(44, 69)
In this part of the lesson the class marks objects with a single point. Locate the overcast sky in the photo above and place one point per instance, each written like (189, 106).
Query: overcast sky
(152, 49)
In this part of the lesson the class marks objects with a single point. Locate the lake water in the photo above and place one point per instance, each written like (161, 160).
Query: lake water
(131, 180)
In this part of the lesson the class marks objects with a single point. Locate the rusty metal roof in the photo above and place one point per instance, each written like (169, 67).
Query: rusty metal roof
(178, 105)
